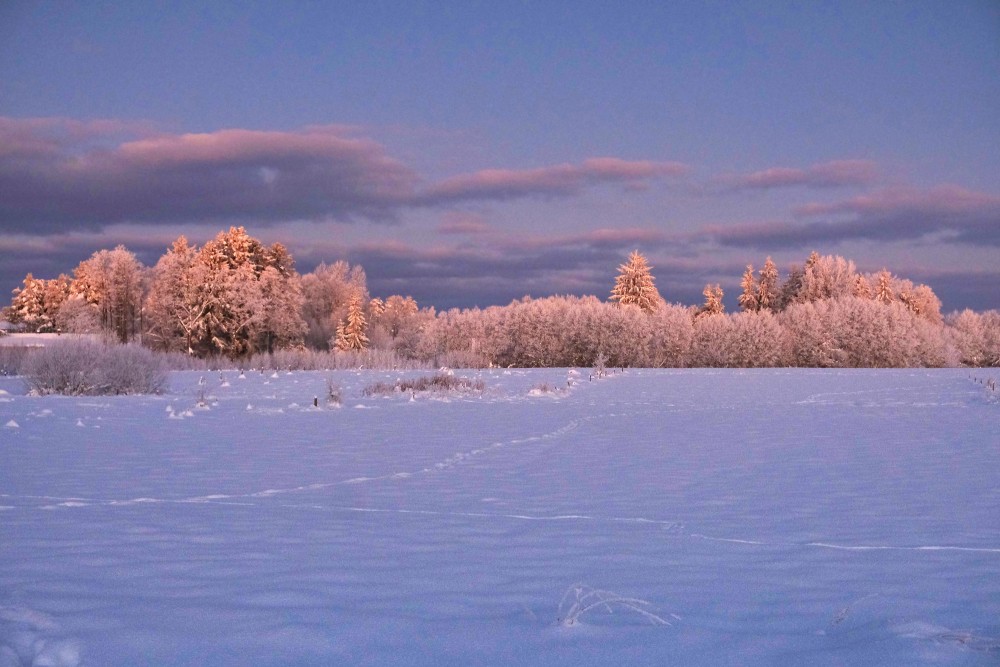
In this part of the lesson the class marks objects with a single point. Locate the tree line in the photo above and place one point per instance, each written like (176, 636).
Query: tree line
(236, 297)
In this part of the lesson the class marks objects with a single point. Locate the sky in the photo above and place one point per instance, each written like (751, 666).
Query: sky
(470, 153)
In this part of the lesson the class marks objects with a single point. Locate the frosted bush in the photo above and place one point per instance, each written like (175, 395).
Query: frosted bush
(86, 368)
(439, 382)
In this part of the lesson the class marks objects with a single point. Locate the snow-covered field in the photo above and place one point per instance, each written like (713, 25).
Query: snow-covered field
(800, 517)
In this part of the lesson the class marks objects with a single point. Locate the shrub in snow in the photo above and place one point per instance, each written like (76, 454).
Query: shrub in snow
(544, 389)
(77, 368)
(439, 382)
(334, 395)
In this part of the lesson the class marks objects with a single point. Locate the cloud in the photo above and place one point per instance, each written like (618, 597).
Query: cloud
(627, 238)
(838, 173)
(554, 181)
(58, 176)
(460, 222)
(946, 213)
(61, 174)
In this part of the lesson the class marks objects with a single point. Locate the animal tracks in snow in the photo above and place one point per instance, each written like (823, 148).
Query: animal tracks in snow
(448, 463)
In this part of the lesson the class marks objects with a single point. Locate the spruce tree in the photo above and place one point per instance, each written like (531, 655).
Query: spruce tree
(351, 332)
(883, 287)
(750, 298)
(635, 284)
(767, 286)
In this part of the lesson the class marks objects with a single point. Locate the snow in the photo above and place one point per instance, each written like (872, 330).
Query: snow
(695, 517)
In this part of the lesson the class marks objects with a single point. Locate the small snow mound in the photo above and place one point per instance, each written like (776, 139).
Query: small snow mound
(274, 374)
(225, 384)
(241, 377)
(56, 653)
(79, 422)
(249, 406)
(13, 424)
(4, 392)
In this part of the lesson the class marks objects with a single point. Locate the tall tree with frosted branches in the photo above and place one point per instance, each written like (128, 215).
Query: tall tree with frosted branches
(635, 284)
(351, 332)
(767, 286)
(750, 297)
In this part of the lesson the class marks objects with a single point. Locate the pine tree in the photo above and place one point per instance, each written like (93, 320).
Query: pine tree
(351, 332)
(635, 284)
(750, 298)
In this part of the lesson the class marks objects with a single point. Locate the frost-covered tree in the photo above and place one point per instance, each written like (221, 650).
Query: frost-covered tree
(883, 291)
(750, 296)
(351, 332)
(670, 334)
(741, 340)
(234, 296)
(976, 337)
(713, 302)
(856, 332)
(767, 286)
(862, 288)
(112, 282)
(173, 309)
(280, 324)
(78, 317)
(392, 320)
(635, 284)
(920, 299)
(326, 292)
(827, 277)
(36, 304)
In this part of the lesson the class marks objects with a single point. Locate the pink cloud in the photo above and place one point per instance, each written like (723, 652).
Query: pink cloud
(825, 175)
(458, 222)
(942, 199)
(555, 180)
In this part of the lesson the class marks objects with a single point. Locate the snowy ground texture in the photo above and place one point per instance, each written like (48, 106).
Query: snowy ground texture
(695, 517)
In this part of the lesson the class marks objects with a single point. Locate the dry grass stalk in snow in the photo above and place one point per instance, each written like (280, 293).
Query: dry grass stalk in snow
(580, 599)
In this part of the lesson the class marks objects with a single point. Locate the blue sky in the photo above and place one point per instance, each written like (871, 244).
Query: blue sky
(470, 153)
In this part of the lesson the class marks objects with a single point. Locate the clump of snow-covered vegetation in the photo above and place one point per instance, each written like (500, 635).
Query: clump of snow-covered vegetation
(437, 383)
